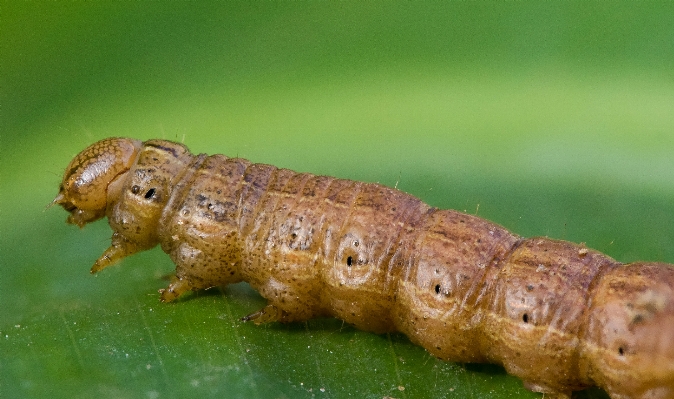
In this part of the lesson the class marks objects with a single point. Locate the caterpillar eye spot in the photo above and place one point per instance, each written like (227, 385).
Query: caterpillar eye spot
(225, 220)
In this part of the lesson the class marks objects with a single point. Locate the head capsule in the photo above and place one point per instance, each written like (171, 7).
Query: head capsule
(85, 189)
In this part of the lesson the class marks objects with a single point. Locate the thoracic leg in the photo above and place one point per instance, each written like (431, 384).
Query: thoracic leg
(120, 249)
(268, 314)
(176, 288)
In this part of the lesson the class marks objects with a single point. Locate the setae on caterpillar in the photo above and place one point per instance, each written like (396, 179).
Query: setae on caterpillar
(557, 315)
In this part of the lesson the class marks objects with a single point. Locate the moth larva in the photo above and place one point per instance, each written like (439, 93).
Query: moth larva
(559, 316)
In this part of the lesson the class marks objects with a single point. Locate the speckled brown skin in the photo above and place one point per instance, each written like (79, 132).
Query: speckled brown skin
(558, 315)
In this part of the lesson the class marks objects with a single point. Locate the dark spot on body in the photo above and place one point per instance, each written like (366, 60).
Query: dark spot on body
(161, 147)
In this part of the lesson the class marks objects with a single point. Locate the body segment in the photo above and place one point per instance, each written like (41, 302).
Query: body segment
(558, 315)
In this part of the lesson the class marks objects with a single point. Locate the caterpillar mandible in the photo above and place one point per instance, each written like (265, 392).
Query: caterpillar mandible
(559, 316)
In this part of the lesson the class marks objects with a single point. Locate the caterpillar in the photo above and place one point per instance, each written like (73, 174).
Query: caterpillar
(560, 316)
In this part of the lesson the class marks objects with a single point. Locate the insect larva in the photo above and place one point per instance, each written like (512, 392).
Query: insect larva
(560, 316)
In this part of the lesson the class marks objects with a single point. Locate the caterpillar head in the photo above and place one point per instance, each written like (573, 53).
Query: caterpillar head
(88, 184)
(630, 333)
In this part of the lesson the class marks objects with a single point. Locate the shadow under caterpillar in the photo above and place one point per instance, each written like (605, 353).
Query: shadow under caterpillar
(559, 316)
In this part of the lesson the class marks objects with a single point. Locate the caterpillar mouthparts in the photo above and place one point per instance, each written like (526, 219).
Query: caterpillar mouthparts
(559, 316)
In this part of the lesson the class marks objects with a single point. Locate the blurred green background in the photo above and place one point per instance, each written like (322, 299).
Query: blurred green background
(550, 118)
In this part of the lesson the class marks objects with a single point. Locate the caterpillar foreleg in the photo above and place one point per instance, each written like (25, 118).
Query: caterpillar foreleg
(175, 289)
(120, 249)
(558, 315)
(268, 314)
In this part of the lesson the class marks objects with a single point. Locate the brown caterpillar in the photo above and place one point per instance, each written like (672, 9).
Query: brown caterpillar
(557, 315)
